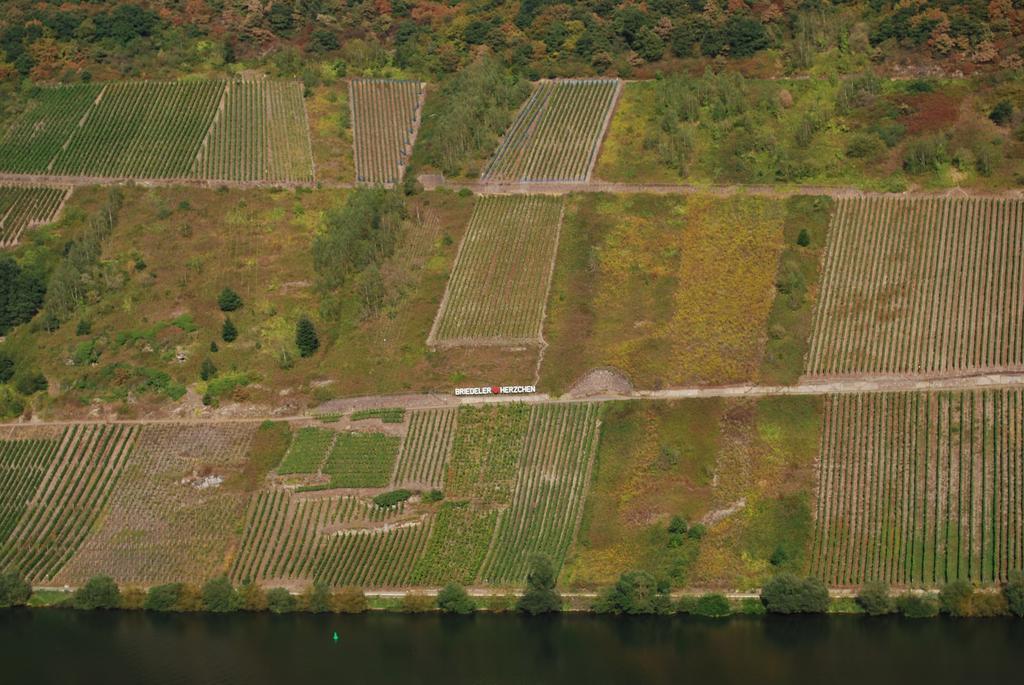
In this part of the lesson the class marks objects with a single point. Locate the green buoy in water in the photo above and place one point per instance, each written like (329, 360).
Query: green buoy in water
(335, 635)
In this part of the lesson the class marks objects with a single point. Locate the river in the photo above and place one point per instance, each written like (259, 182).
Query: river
(114, 648)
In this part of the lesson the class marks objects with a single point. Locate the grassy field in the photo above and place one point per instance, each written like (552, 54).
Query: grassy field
(742, 469)
(669, 290)
(330, 132)
(858, 131)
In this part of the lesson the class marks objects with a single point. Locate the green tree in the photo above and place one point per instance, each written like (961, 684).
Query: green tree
(30, 383)
(1013, 591)
(788, 594)
(317, 598)
(280, 601)
(306, 338)
(163, 597)
(207, 370)
(228, 332)
(219, 596)
(804, 238)
(453, 599)
(712, 606)
(874, 598)
(540, 596)
(6, 367)
(99, 592)
(955, 598)
(913, 605)
(1002, 113)
(252, 597)
(228, 300)
(21, 294)
(14, 590)
(636, 592)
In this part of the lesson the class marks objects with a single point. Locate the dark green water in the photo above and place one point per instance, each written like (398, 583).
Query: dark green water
(55, 646)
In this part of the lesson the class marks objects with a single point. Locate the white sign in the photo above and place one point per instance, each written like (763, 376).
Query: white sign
(497, 390)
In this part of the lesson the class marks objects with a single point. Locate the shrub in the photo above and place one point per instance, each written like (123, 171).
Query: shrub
(1013, 591)
(228, 332)
(788, 594)
(499, 604)
(213, 346)
(927, 154)
(804, 238)
(252, 597)
(6, 368)
(219, 596)
(452, 599)
(540, 596)
(163, 597)
(84, 327)
(14, 590)
(317, 598)
(865, 146)
(392, 498)
(305, 337)
(1001, 113)
(914, 605)
(228, 300)
(31, 383)
(350, 600)
(697, 531)
(874, 598)
(988, 604)
(416, 603)
(677, 525)
(207, 370)
(636, 592)
(711, 605)
(955, 598)
(433, 496)
(280, 601)
(100, 592)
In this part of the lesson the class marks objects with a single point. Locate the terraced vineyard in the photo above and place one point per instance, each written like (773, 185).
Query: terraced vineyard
(552, 480)
(385, 119)
(307, 452)
(56, 512)
(425, 449)
(920, 488)
(22, 207)
(922, 286)
(361, 460)
(246, 131)
(173, 514)
(259, 134)
(557, 134)
(499, 285)
(340, 540)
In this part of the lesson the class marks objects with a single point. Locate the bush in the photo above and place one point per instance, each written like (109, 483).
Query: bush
(1013, 591)
(84, 327)
(677, 525)
(804, 238)
(252, 597)
(133, 598)
(228, 332)
(874, 598)
(1001, 113)
(917, 606)
(15, 591)
(306, 338)
(31, 383)
(219, 596)
(350, 600)
(163, 597)
(228, 300)
(6, 368)
(697, 531)
(788, 594)
(416, 603)
(988, 604)
(100, 592)
(636, 592)
(392, 498)
(433, 496)
(923, 155)
(540, 596)
(955, 598)
(280, 601)
(865, 146)
(712, 606)
(453, 600)
(317, 598)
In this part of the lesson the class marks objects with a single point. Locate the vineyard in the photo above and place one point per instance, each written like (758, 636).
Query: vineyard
(211, 130)
(557, 134)
(923, 286)
(361, 460)
(499, 284)
(53, 491)
(23, 207)
(425, 449)
(385, 120)
(173, 514)
(307, 452)
(920, 489)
